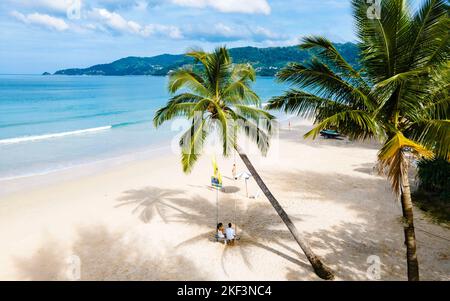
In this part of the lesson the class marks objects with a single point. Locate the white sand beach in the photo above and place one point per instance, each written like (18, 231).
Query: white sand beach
(146, 220)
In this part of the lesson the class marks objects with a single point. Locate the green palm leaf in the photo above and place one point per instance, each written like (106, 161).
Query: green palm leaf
(191, 143)
(220, 95)
(356, 124)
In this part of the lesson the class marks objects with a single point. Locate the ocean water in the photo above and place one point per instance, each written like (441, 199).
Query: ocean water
(50, 123)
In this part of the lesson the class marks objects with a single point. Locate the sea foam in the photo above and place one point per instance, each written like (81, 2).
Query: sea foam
(53, 135)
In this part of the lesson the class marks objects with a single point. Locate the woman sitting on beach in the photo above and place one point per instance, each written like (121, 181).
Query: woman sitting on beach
(220, 231)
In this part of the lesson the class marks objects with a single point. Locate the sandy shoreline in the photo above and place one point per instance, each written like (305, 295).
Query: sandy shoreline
(146, 220)
(14, 184)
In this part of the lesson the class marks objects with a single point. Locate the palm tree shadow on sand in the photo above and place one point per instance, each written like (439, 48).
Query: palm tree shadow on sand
(258, 226)
(350, 243)
(149, 201)
(105, 255)
(346, 245)
(173, 207)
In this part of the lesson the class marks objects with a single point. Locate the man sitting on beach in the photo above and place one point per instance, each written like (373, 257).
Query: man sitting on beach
(230, 234)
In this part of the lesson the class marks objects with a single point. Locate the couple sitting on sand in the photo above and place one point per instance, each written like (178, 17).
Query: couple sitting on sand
(228, 235)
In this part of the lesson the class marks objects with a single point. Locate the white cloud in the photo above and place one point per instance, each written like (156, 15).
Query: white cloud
(119, 24)
(221, 32)
(42, 20)
(114, 20)
(229, 6)
(59, 6)
(110, 20)
(172, 31)
(266, 33)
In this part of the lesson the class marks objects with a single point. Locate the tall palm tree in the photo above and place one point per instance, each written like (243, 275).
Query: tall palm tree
(400, 95)
(217, 100)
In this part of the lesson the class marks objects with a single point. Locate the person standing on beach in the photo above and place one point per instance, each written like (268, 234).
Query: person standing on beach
(233, 171)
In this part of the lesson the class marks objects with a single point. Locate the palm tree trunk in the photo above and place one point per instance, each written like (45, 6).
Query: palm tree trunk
(319, 268)
(410, 237)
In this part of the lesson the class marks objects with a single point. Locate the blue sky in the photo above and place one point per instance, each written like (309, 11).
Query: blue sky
(47, 35)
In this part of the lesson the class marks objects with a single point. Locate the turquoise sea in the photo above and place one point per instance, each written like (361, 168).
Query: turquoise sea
(50, 123)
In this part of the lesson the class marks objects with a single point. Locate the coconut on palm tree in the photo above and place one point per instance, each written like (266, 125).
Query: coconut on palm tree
(218, 101)
(400, 95)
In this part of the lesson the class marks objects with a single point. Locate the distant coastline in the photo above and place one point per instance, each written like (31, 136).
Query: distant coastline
(266, 61)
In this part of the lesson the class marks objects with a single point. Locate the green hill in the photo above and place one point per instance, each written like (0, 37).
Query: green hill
(266, 61)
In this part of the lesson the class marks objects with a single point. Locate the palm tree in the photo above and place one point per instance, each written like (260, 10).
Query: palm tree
(220, 102)
(399, 96)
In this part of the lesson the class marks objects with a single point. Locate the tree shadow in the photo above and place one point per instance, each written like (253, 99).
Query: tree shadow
(150, 201)
(368, 169)
(106, 255)
(258, 226)
(335, 187)
(344, 245)
(230, 189)
(45, 264)
(375, 228)
(351, 246)
(172, 207)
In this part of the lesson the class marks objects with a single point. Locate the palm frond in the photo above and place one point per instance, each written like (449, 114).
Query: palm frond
(186, 78)
(254, 113)
(218, 69)
(243, 72)
(329, 54)
(356, 124)
(324, 82)
(240, 92)
(433, 134)
(439, 109)
(392, 157)
(304, 104)
(399, 91)
(262, 118)
(374, 40)
(403, 77)
(399, 142)
(222, 122)
(255, 132)
(198, 55)
(429, 33)
(178, 106)
(191, 143)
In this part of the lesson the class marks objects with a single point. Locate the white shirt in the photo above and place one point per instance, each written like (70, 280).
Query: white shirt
(230, 233)
(220, 234)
